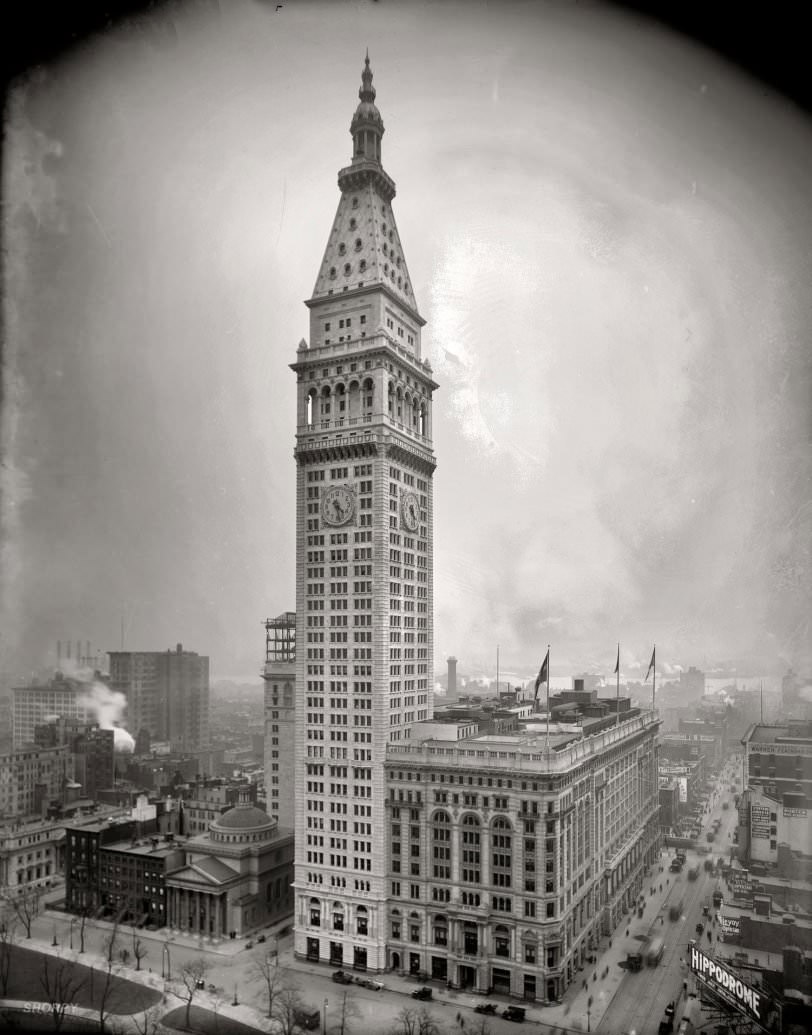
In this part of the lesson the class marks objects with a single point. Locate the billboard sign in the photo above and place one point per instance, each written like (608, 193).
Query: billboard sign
(730, 988)
(729, 925)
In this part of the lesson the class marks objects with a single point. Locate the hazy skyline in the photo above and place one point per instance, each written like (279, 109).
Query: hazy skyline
(608, 231)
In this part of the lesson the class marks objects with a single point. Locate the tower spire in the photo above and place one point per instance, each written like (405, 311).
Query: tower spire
(367, 124)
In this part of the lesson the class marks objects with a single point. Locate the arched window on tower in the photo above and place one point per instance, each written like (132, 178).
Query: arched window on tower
(391, 400)
(325, 404)
(310, 407)
(422, 424)
(340, 403)
(399, 404)
(368, 396)
(354, 401)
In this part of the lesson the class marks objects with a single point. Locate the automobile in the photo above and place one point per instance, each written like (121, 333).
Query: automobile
(513, 1013)
(200, 984)
(700, 927)
(422, 993)
(670, 1009)
(706, 909)
(262, 938)
(249, 945)
(485, 1008)
(341, 978)
(370, 983)
(666, 1026)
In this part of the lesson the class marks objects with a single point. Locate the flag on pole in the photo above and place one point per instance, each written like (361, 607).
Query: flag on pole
(617, 663)
(544, 675)
(651, 665)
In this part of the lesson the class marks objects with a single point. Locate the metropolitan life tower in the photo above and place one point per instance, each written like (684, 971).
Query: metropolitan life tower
(364, 571)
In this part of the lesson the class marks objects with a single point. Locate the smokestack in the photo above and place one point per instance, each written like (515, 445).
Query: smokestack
(58, 653)
(452, 677)
(78, 652)
(68, 646)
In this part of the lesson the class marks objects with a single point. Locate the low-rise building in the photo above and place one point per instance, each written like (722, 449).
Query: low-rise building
(236, 878)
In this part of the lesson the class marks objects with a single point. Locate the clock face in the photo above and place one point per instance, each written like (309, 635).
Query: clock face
(410, 508)
(338, 505)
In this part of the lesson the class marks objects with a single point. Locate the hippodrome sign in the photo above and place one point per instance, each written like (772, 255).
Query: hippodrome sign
(729, 987)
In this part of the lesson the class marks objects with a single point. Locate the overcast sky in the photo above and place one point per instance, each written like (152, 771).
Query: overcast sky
(608, 231)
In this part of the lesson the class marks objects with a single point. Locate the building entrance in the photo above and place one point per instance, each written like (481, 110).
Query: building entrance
(467, 977)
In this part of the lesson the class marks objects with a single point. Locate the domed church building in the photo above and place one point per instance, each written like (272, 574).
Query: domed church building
(236, 878)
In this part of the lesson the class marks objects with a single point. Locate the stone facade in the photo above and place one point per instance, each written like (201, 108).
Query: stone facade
(364, 528)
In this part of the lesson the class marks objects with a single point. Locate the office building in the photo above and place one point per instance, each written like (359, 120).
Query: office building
(510, 855)
(92, 748)
(691, 685)
(32, 779)
(364, 529)
(167, 695)
(778, 761)
(279, 674)
(35, 704)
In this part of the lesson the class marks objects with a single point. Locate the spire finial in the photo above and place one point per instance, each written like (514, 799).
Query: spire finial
(367, 91)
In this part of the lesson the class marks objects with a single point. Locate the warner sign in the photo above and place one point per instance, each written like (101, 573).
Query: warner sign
(729, 986)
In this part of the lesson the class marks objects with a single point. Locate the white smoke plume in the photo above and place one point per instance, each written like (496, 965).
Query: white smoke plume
(108, 705)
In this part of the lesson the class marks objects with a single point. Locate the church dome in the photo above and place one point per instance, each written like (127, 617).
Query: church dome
(246, 817)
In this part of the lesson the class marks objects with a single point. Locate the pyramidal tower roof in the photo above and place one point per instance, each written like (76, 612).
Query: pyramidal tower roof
(364, 248)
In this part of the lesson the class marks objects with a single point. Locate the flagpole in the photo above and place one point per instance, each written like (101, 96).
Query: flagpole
(653, 675)
(617, 697)
(547, 740)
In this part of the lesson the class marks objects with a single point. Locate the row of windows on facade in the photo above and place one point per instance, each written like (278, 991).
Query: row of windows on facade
(388, 271)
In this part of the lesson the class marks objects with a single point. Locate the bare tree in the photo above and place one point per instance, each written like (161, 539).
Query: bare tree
(8, 932)
(25, 904)
(348, 1011)
(139, 950)
(415, 1022)
(82, 923)
(148, 1020)
(107, 985)
(61, 982)
(264, 968)
(288, 1008)
(190, 976)
(110, 942)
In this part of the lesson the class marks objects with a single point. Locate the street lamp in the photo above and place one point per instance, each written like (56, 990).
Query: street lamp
(165, 963)
(54, 942)
(235, 1003)
(326, 1001)
(73, 920)
(588, 1010)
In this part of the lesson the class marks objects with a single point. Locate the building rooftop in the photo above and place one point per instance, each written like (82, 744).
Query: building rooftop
(789, 733)
(144, 847)
(523, 750)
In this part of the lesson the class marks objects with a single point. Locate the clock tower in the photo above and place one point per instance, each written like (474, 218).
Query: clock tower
(364, 561)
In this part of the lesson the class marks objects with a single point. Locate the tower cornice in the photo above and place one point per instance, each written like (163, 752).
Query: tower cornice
(359, 174)
(375, 287)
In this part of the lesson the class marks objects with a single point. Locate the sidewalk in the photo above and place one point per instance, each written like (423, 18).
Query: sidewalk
(603, 978)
